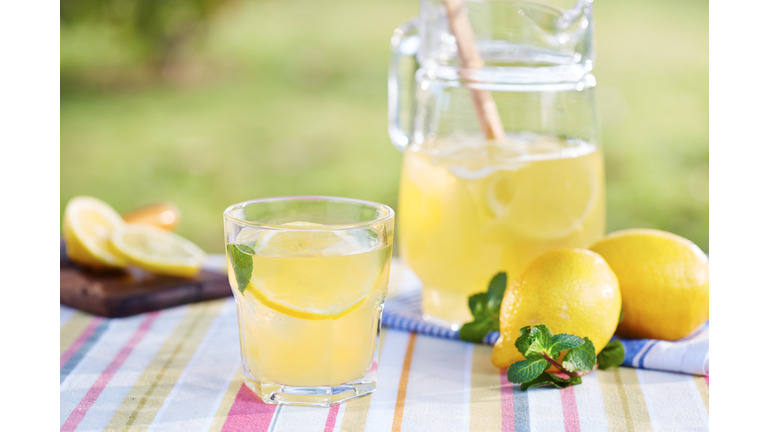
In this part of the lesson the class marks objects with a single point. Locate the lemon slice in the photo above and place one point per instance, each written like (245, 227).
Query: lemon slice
(157, 250)
(299, 296)
(88, 225)
(298, 242)
(549, 200)
(301, 242)
(289, 308)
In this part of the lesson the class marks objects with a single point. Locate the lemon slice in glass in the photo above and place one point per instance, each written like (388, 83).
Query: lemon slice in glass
(288, 305)
(88, 225)
(300, 242)
(157, 250)
(303, 255)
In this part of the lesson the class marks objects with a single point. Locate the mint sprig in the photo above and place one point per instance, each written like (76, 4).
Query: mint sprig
(542, 349)
(485, 308)
(242, 263)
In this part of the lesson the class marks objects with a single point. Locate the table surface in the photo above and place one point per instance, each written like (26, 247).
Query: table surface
(179, 369)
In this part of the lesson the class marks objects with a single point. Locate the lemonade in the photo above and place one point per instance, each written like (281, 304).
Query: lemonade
(309, 300)
(470, 208)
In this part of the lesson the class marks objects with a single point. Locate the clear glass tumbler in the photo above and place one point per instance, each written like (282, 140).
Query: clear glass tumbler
(310, 276)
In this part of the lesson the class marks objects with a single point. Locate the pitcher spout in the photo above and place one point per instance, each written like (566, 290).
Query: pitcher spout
(567, 32)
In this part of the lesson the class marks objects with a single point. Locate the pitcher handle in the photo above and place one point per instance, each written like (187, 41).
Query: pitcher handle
(404, 44)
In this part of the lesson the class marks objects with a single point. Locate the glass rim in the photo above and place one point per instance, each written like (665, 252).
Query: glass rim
(388, 213)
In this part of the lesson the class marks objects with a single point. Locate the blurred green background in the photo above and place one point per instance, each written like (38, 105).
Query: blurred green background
(210, 102)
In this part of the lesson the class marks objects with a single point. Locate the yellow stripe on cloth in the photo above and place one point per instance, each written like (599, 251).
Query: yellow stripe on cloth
(624, 401)
(397, 424)
(703, 388)
(227, 401)
(141, 404)
(438, 386)
(485, 392)
(72, 329)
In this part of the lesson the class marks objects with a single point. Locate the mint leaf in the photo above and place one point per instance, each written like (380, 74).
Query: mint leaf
(523, 342)
(242, 263)
(562, 342)
(485, 308)
(526, 370)
(581, 358)
(534, 340)
(484, 322)
(496, 289)
(539, 339)
(611, 355)
(478, 305)
(548, 378)
(476, 330)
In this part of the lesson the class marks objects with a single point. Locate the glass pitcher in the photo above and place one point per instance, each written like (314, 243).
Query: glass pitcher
(476, 200)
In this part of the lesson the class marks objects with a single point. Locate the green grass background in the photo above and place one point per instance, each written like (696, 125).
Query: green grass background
(289, 97)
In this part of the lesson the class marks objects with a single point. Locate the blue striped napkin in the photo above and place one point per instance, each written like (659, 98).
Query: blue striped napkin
(688, 355)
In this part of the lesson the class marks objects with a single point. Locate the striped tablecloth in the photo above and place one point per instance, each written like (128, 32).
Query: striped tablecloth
(179, 370)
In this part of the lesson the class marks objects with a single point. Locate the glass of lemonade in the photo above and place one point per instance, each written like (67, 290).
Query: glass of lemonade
(474, 203)
(310, 277)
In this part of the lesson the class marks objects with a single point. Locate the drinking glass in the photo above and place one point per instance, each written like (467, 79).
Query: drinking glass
(471, 206)
(310, 276)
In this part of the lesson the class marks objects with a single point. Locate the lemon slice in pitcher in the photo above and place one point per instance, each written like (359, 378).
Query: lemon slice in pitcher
(550, 199)
(157, 250)
(87, 227)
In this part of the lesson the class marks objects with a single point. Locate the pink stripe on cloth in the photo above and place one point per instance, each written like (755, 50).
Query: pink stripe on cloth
(80, 341)
(89, 399)
(570, 411)
(331, 422)
(706, 378)
(249, 413)
(507, 404)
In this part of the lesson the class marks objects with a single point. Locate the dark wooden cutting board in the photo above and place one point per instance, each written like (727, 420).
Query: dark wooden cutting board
(134, 291)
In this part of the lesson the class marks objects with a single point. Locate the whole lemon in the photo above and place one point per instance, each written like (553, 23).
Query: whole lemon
(572, 291)
(664, 282)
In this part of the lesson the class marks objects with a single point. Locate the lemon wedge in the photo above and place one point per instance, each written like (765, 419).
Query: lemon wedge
(157, 250)
(88, 225)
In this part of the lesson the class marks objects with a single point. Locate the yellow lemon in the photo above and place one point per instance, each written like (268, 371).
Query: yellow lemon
(157, 250)
(87, 227)
(664, 281)
(570, 290)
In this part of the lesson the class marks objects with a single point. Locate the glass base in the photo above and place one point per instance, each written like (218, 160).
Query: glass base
(272, 393)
